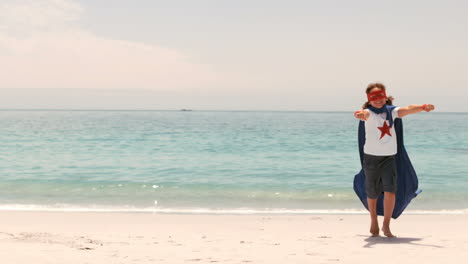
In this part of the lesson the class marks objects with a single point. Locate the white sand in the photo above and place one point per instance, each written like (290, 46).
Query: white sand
(46, 237)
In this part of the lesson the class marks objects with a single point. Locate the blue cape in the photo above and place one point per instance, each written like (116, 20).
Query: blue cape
(407, 179)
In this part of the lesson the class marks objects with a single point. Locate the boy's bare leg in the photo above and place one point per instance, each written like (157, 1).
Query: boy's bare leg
(389, 205)
(372, 204)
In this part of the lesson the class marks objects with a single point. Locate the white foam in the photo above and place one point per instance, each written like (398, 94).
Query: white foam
(239, 211)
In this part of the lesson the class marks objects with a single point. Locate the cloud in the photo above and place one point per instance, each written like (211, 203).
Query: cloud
(27, 15)
(43, 46)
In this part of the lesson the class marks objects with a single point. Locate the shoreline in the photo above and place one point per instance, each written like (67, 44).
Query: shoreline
(214, 211)
(206, 211)
(86, 237)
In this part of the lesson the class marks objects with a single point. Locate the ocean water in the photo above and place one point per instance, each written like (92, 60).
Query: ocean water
(214, 161)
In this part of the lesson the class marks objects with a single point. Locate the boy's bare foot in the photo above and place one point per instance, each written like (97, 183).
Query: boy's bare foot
(387, 232)
(374, 230)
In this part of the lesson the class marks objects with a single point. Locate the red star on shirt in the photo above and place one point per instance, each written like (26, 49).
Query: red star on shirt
(384, 130)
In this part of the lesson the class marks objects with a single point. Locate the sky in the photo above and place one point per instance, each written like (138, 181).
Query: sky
(292, 55)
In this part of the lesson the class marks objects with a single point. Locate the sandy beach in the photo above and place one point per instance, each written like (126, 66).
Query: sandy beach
(64, 237)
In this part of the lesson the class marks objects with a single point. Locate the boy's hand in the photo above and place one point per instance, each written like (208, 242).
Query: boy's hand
(361, 115)
(428, 107)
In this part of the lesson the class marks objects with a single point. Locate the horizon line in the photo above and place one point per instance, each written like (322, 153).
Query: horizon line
(189, 110)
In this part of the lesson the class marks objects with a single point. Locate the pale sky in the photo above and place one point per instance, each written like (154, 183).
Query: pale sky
(231, 55)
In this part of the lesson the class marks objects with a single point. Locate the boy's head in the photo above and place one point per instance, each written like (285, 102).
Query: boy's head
(376, 95)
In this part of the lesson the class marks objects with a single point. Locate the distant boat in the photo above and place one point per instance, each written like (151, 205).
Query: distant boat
(185, 110)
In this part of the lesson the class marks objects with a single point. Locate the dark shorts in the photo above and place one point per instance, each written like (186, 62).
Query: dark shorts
(381, 175)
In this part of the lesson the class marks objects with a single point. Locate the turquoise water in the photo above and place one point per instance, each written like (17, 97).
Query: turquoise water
(213, 161)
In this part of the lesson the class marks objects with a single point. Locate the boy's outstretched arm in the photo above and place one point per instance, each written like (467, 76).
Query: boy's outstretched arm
(413, 109)
(362, 114)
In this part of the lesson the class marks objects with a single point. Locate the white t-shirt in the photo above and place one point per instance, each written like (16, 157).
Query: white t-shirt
(380, 139)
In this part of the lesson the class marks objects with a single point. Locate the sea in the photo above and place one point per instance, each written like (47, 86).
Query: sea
(214, 162)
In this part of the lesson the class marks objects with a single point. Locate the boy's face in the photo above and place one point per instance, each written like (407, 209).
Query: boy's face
(380, 101)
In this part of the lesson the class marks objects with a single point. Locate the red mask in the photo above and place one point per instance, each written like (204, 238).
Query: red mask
(376, 95)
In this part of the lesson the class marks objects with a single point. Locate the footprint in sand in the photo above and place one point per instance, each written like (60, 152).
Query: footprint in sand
(80, 243)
